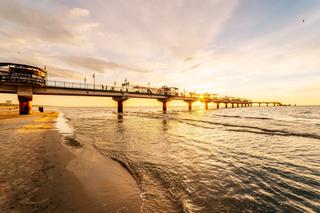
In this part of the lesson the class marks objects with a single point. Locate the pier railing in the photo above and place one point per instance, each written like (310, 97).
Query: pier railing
(114, 88)
(125, 89)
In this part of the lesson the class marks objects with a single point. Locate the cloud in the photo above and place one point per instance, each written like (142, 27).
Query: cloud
(232, 46)
(21, 19)
(312, 89)
(79, 12)
(100, 65)
(56, 72)
(190, 68)
(188, 59)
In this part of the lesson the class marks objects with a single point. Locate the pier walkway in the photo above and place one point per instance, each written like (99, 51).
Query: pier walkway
(14, 82)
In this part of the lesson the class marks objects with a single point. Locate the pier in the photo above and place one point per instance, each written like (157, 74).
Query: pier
(26, 81)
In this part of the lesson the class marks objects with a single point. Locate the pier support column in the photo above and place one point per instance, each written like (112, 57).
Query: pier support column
(164, 104)
(120, 106)
(226, 105)
(25, 105)
(267, 104)
(274, 104)
(189, 105)
(206, 105)
(120, 101)
(259, 105)
(241, 104)
(232, 105)
(25, 99)
(218, 105)
(237, 105)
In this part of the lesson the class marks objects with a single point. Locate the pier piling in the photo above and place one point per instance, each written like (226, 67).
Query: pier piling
(25, 105)
(164, 106)
(120, 101)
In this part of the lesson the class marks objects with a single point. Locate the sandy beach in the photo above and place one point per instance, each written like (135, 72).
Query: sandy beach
(40, 173)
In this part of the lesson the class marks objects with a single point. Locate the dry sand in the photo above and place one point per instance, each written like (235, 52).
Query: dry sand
(40, 174)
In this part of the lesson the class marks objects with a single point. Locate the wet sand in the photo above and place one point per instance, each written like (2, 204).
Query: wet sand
(39, 173)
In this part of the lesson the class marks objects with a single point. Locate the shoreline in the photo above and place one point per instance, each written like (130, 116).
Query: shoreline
(41, 173)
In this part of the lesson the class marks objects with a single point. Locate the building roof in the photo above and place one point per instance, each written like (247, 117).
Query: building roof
(2, 64)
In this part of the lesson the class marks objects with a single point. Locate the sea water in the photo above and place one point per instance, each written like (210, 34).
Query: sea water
(257, 159)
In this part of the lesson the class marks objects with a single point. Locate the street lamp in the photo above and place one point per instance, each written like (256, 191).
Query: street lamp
(94, 80)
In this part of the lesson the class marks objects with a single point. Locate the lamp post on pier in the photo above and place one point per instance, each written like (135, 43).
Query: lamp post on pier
(94, 80)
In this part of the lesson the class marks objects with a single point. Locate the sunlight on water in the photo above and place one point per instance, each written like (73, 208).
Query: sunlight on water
(248, 159)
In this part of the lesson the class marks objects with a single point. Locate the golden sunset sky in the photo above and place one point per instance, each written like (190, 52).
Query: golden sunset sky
(262, 50)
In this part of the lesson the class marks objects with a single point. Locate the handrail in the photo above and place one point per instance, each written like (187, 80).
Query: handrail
(123, 89)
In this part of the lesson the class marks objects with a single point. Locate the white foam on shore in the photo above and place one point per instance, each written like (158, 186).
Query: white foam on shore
(62, 125)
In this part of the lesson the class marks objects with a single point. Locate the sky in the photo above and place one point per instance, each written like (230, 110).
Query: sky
(257, 49)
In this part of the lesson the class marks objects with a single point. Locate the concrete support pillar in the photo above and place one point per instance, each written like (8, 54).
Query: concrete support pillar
(267, 104)
(232, 105)
(237, 105)
(120, 101)
(25, 99)
(25, 105)
(259, 105)
(218, 105)
(226, 105)
(164, 106)
(120, 106)
(241, 104)
(206, 105)
(274, 104)
(189, 105)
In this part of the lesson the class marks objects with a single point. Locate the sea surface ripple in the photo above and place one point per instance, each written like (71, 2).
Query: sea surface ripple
(259, 159)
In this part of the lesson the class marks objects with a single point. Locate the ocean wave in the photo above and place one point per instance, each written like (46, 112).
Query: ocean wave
(158, 187)
(262, 130)
(241, 117)
(180, 168)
